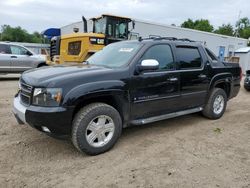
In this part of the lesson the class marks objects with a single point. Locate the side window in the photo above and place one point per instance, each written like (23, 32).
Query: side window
(189, 57)
(74, 48)
(17, 50)
(163, 54)
(211, 55)
(4, 49)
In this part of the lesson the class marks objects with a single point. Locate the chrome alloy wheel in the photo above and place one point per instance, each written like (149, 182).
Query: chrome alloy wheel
(100, 131)
(218, 105)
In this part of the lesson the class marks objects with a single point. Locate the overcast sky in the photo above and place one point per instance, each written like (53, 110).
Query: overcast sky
(38, 15)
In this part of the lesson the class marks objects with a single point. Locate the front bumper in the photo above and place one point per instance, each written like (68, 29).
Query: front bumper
(19, 110)
(56, 120)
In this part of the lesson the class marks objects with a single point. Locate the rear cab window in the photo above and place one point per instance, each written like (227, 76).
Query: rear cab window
(211, 55)
(189, 57)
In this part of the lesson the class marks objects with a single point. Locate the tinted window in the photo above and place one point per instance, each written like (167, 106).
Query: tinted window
(74, 48)
(211, 55)
(163, 54)
(4, 49)
(189, 57)
(17, 50)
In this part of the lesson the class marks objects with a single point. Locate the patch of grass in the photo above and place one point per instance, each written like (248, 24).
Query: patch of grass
(217, 130)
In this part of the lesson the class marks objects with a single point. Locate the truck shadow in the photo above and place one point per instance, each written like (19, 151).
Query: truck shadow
(66, 148)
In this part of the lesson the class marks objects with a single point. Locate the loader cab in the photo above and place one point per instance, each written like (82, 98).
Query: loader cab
(115, 28)
(78, 46)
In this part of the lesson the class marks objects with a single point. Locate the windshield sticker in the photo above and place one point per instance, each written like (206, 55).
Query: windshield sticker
(126, 49)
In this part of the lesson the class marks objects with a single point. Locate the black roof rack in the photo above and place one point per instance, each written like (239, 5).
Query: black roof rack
(166, 38)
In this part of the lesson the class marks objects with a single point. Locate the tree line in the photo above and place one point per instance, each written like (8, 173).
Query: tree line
(241, 29)
(18, 34)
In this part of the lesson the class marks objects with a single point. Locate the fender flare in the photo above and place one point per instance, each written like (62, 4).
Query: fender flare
(221, 78)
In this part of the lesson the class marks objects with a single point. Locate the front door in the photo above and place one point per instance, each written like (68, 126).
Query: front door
(155, 93)
(20, 60)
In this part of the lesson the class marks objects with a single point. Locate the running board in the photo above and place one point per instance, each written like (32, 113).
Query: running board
(165, 116)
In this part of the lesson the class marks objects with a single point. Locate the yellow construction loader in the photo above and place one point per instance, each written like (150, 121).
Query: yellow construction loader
(77, 47)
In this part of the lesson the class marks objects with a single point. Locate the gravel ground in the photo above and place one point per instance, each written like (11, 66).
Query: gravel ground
(188, 151)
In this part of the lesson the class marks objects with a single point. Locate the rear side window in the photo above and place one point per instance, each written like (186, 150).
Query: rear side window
(189, 57)
(4, 49)
(74, 48)
(163, 54)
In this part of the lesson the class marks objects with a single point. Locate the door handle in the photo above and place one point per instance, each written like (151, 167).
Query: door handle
(202, 76)
(13, 56)
(173, 79)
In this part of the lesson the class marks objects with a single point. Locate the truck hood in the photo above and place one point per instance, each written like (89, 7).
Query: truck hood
(54, 75)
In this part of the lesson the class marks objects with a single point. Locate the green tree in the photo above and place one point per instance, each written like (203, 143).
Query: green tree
(225, 29)
(188, 24)
(17, 34)
(243, 28)
(201, 25)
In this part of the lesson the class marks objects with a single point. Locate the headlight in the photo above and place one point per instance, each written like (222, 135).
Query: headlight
(47, 96)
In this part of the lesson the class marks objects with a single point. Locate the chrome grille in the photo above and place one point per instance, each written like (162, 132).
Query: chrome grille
(25, 93)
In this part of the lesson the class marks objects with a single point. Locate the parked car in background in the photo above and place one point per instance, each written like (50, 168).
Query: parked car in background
(247, 81)
(16, 58)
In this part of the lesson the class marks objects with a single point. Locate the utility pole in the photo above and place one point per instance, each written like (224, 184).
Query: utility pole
(237, 34)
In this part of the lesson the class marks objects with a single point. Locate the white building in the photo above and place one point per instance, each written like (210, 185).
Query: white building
(244, 55)
(221, 45)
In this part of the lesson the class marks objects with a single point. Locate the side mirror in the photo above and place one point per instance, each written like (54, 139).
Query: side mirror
(28, 53)
(148, 64)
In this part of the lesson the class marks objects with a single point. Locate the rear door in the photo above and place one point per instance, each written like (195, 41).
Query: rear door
(154, 93)
(5, 58)
(194, 80)
(20, 60)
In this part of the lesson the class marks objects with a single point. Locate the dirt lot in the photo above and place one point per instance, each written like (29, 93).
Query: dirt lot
(188, 151)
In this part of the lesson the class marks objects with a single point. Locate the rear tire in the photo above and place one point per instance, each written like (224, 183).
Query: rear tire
(96, 128)
(216, 104)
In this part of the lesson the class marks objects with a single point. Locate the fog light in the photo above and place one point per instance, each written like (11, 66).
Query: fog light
(45, 129)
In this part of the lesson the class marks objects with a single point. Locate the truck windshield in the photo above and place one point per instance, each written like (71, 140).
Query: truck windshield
(115, 55)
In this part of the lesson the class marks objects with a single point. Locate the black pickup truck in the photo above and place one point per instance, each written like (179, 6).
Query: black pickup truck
(126, 83)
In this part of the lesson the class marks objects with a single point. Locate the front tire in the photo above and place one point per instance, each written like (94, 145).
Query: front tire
(216, 104)
(96, 128)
